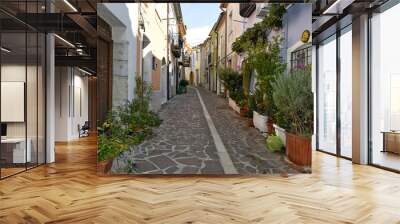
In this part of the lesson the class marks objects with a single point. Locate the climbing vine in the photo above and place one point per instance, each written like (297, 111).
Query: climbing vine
(258, 33)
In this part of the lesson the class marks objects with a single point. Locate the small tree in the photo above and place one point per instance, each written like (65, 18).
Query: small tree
(232, 81)
(265, 59)
(294, 100)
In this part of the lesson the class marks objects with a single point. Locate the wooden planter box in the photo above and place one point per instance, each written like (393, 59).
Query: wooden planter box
(298, 149)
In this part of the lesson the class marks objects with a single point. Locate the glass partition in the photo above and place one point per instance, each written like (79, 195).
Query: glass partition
(385, 89)
(13, 94)
(22, 77)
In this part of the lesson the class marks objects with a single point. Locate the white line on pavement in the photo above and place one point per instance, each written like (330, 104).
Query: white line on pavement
(224, 157)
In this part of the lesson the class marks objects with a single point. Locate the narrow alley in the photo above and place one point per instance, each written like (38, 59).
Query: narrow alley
(184, 144)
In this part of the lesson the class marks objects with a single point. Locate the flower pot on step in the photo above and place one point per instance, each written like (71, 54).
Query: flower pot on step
(104, 167)
(233, 105)
(250, 122)
(243, 111)
(281, 133)
(298, 149)
(270, 126)
(260, 121)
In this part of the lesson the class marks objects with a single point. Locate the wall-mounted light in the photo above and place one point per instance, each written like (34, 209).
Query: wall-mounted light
(65, 41)
(337, 7)
(5, 50)
(70, 5)
(84, 71)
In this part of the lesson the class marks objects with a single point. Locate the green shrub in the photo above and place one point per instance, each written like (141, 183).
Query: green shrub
(128, 124)
(294, 100)
(183, 83)
(275, 144)
(232, 81)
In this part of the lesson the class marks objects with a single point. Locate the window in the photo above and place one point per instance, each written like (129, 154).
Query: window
(301, 58)
(385, 89)
(154, 63)
(327, 96)
(346, 73)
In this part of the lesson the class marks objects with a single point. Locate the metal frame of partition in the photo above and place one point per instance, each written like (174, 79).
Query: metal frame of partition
(43, 96)
(336, 31)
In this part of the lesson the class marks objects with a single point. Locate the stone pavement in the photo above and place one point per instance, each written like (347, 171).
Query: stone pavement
(183, 143)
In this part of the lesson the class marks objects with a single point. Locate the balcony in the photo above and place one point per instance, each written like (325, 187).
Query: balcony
(246, 9)
(176, 50)
(176, 45)
(186, 61)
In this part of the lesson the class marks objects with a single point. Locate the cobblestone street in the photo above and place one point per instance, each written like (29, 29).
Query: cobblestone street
(184, 144)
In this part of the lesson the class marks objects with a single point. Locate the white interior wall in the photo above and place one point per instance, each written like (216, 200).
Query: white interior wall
(69, 112)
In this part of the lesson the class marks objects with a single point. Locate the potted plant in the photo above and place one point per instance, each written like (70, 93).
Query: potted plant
(232, 81)
(280, 125)
(109, 145)
(260, 119)
(183, 86)
(294, 99)
(251, 107)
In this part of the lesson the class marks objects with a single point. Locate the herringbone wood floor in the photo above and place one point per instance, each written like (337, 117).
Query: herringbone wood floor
(69, 191)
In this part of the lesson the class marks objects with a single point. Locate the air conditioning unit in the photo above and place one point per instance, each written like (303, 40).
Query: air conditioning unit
(263, 11)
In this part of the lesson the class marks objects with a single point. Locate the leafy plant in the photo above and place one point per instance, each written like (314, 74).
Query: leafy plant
(275, 144)
(246, 74)
(233, 81)
(128, 124)
(183, 83)
(131, 166)
(265, 59)
(251, 103)
(182, 86)
(294, 100)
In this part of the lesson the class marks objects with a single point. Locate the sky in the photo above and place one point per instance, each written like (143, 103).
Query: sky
(199, 18)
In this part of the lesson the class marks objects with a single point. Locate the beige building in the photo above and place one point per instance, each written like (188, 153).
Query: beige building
(195, 64)
(221, 30)
(234, 28)
(153, 34)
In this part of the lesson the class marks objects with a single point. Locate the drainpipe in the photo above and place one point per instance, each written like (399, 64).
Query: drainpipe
(216, 66)
(168, 52)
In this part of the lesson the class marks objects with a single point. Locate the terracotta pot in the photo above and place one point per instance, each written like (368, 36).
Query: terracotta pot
(243, 111)
(270, 126)
(298, 149)
(104, 167)
(250, 122)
